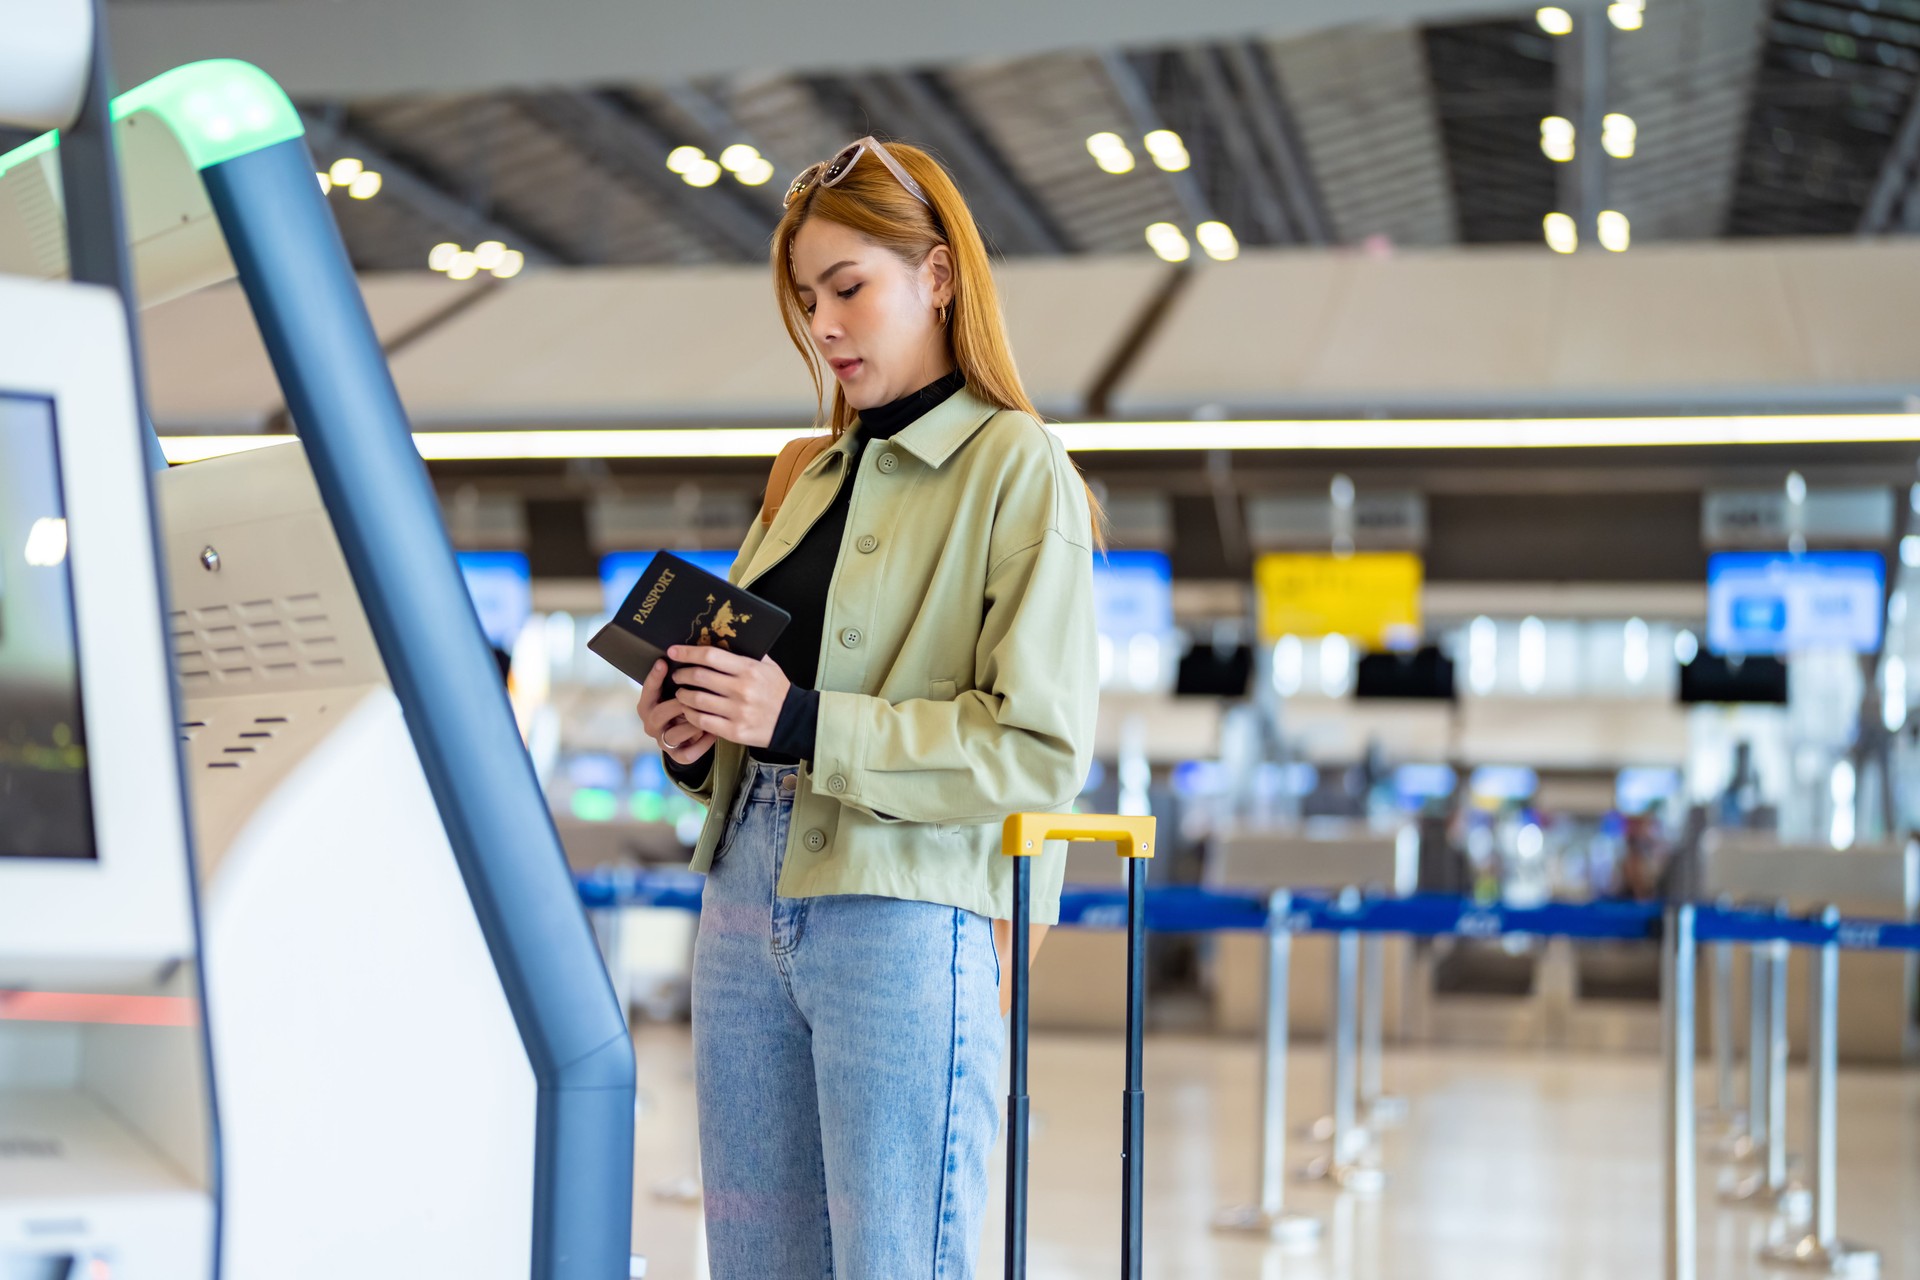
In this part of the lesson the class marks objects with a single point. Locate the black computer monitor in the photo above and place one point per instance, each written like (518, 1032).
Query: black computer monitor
(1426, 673)
(1711, 678)
(1215, 671)
(46, 808)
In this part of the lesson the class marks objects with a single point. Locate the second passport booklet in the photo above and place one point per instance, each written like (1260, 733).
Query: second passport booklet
(676, 603)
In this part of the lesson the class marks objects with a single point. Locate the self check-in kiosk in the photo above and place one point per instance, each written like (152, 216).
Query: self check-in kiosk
(421, 1067)
(106, 1133)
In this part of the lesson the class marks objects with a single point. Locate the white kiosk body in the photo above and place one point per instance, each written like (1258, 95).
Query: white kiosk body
(105, 1121)
(378, 1108)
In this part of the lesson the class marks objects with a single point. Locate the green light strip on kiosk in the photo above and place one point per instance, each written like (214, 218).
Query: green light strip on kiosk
(218, 109)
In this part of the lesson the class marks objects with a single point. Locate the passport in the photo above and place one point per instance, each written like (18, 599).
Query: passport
(675, 602)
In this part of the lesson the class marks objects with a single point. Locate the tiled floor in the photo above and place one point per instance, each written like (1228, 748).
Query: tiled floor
(1521, 1166)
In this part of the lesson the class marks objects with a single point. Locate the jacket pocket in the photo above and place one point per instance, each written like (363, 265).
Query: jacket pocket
(943, 690)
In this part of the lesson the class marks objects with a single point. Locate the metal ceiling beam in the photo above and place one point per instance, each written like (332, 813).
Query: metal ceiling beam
(919, 98)
(1896, 176)
(615, 137)
(1137, 101)
(402, 182)
(1251, 171)
(1273, 123)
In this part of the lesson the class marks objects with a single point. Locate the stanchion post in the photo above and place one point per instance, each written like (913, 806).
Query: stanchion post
(1269, 1217)
(1821, 1248)
(1769, 1187)
(1759, 1057)
(1342, 1163)
(1776, 1170)
(1681, 1256)
(1725, 1110)
(1377, 1108)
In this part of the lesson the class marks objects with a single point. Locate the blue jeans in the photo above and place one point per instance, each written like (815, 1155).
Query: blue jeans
(847, 1053)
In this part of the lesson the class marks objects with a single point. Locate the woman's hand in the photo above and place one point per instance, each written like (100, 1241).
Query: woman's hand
(666, 722)
(729, 696)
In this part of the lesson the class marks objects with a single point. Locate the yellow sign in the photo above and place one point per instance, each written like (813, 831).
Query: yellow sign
(1372, 597)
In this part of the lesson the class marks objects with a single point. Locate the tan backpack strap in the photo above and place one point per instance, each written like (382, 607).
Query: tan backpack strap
(793, 459)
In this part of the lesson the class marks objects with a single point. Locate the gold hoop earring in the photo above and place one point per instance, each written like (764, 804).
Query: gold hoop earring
(943, 315)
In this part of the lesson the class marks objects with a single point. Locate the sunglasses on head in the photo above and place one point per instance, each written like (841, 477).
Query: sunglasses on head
(828, 173)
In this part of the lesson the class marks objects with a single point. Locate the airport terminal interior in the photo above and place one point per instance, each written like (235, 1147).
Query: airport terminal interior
(1507, 426)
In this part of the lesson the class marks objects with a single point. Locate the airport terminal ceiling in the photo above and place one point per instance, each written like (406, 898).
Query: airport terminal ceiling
(1371, 126)
(360, 47)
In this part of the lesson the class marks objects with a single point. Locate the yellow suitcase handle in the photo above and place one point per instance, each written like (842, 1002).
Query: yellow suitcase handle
(1024, 833)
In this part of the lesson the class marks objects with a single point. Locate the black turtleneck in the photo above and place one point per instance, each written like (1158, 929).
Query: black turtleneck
(799, 585)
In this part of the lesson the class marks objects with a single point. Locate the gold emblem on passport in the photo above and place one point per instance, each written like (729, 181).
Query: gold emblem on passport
(717, 627)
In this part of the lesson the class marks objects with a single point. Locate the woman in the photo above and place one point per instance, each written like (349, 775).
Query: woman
(938, 674)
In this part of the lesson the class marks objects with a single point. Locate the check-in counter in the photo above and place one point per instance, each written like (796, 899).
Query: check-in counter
(1878, 990)
(1318, 858)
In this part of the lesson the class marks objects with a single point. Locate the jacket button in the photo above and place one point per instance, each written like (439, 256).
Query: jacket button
(836, 784)
(867, 543)
(850, 637)
(888, 462)
(816, 840)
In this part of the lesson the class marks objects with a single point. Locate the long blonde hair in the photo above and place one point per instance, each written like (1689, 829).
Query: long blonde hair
(872, 202)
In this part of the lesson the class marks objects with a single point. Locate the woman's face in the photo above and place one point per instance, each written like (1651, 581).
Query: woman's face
(873, 316)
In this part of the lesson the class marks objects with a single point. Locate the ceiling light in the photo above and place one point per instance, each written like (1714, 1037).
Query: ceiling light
(1554, 21)
(1628, 15)
(488, 254)
(326, 181)
(510, 264)
(1167, 150)
(1218, 240)
(441, 256)
(682, 159)
(1562, 235)
(366, 186)
(1169, 242)
(1613, 230)
(345, 170)
(463, 267)
(1618, 135)
(1556, 138)
(738, 156)
(756, 173)
(703, 173)
(1098, 437)
(1110, 152)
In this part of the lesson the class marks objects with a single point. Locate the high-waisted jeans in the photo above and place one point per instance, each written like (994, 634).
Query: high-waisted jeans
(847, 1052)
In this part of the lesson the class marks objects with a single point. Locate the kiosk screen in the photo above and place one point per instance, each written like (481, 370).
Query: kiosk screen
(46, 806)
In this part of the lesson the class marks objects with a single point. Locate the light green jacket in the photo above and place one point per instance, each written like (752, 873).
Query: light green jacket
(958, 664)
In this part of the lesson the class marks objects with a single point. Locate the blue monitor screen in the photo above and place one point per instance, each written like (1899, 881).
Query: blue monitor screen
(46, 806)
(1503, 782)
(502, 589)
(1414, 783)
(1774, 603)
(1133, 594)
(619, 570)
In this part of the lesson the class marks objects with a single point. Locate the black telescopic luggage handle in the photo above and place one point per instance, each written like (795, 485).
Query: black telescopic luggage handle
(1022, 838)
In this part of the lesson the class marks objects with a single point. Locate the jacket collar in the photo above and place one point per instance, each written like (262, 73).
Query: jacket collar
(936, 434)
(933, 436)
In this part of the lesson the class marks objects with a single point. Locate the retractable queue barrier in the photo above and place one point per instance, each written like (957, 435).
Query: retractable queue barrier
(1681, 930)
